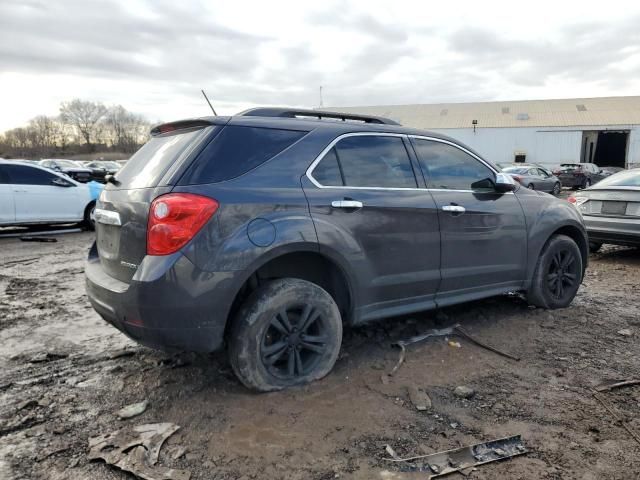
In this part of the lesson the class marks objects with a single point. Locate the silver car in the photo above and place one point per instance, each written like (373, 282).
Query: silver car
(535, 177)
(611, 210)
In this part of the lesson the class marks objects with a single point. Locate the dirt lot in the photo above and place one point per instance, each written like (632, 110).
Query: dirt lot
(63, 376)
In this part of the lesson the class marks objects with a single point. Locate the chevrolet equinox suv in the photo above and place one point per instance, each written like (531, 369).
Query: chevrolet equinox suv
(270, 230)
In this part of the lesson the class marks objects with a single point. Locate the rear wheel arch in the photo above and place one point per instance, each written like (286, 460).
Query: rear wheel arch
(306, 265)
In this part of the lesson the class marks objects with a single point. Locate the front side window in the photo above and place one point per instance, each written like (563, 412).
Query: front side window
(367, 161)
(450, 168)
(24, 175)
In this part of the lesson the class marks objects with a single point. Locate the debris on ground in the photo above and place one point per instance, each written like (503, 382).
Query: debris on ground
(453, 330)
(419, 398)
(613, 386)
(625, 332)
(136, 450)
(464, 392)
(132, 410)
(459, 459)
(617, 418)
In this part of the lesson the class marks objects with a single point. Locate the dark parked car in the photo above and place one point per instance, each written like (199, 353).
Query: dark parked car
(271, 229)
(535, 177)
(101, 168)
(578, 175)
(70, 168)
(611, 210)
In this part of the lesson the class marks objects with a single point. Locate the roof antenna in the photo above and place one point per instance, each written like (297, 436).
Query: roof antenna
(211, 106)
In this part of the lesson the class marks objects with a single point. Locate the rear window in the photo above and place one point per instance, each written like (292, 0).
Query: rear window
(627, 178)
(570, 167)
(236, 150)
(149, 164)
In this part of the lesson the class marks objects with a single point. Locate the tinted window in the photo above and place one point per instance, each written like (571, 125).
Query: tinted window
(149, 164)
(25, 175)
(373, 161)
(236, 150)
(448, 167)
(327, 172)
(4, 178)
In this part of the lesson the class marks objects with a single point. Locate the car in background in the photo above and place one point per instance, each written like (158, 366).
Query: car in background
(611, 210)
(267, 232)
(578, 175)
(608, 171)
(101, 168)
(71, 168)
(535, 177)
(33, 194)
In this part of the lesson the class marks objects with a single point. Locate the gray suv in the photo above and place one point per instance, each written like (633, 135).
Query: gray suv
(270, 230)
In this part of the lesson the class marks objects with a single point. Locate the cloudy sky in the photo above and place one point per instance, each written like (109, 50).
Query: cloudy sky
(153, 57)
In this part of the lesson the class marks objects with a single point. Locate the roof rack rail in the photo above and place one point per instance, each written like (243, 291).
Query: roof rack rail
(319, 114)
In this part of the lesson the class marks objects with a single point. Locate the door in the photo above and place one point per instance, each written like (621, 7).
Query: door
(547, 179)
(368, 209)
(43, 196)
(482, 232)
(7, 207)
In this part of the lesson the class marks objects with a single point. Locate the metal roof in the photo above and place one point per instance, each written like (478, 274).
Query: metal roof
(570, 112)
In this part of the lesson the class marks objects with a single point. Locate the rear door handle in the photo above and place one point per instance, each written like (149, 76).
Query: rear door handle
(346, 204)
(454, 209)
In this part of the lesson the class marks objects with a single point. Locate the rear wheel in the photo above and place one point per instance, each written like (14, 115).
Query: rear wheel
(557, 188)
(288, 332)
(531, 187)
(558, 274)
(594, 247)
(89, 221)
(587, 183)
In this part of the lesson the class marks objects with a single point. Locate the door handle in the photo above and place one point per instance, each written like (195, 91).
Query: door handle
(454, 209)
(346, 204)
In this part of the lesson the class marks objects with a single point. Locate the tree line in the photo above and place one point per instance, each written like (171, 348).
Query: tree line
(81, 127)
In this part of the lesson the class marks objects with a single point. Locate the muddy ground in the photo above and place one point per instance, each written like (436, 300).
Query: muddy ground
(64, 374)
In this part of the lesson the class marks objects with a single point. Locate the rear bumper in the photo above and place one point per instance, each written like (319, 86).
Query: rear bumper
(168, 305)
(618, 231)
(572, 181)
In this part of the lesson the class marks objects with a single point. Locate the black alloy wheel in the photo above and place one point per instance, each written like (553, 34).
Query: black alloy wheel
(557, 189)
(563, 274)
(294, 342)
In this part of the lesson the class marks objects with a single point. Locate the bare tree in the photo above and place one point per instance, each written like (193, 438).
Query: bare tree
(84, 117)
(125, 130)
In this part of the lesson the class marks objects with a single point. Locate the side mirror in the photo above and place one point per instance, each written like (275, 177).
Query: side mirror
(504, 183)
(59, 182)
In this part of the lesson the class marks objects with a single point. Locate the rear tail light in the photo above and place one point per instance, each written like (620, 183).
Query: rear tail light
(577, 201)
(517, 177)
(174, 219)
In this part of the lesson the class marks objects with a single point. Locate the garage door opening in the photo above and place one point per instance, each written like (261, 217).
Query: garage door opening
(611, 149)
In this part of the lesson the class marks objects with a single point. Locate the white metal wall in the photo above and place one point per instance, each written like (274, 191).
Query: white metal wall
(547, 146)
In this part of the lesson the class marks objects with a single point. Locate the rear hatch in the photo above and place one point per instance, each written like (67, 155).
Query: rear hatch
(620, 203)
(569, 172)
(153, 170)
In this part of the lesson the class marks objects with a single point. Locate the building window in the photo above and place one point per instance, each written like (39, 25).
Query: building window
(520, 157)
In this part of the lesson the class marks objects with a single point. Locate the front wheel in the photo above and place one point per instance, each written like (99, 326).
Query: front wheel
(288, 332)
(531, 187)
(557, 188)
(558, 274)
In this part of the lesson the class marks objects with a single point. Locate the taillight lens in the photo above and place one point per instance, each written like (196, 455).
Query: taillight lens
(174, 219)
(517, 177)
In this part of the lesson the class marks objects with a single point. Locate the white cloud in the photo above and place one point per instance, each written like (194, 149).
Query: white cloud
(153, 57)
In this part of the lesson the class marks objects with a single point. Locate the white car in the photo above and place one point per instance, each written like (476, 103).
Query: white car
(31, 194)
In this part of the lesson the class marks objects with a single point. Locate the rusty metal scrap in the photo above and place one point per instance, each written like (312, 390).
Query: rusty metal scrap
(456, 460)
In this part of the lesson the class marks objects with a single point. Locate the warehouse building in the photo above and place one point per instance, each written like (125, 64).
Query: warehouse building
(605, 131)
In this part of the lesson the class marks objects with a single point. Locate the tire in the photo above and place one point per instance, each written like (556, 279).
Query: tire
(560, 256)
(267, 351)
(557, 188)
(587, 183)
(89, 222)
(531, 187)
(594, 247)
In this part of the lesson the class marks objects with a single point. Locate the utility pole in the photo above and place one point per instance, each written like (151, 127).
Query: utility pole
(321, 102)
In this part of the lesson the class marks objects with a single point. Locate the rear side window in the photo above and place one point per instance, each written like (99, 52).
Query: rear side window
(149, 164)
(236, 150)
(367, 161)
(450, 168)
(24, 175)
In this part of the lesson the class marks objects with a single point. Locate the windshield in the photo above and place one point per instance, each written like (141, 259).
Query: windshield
(568, 167)
(626, 178)
(66, 163)
(519, 170)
